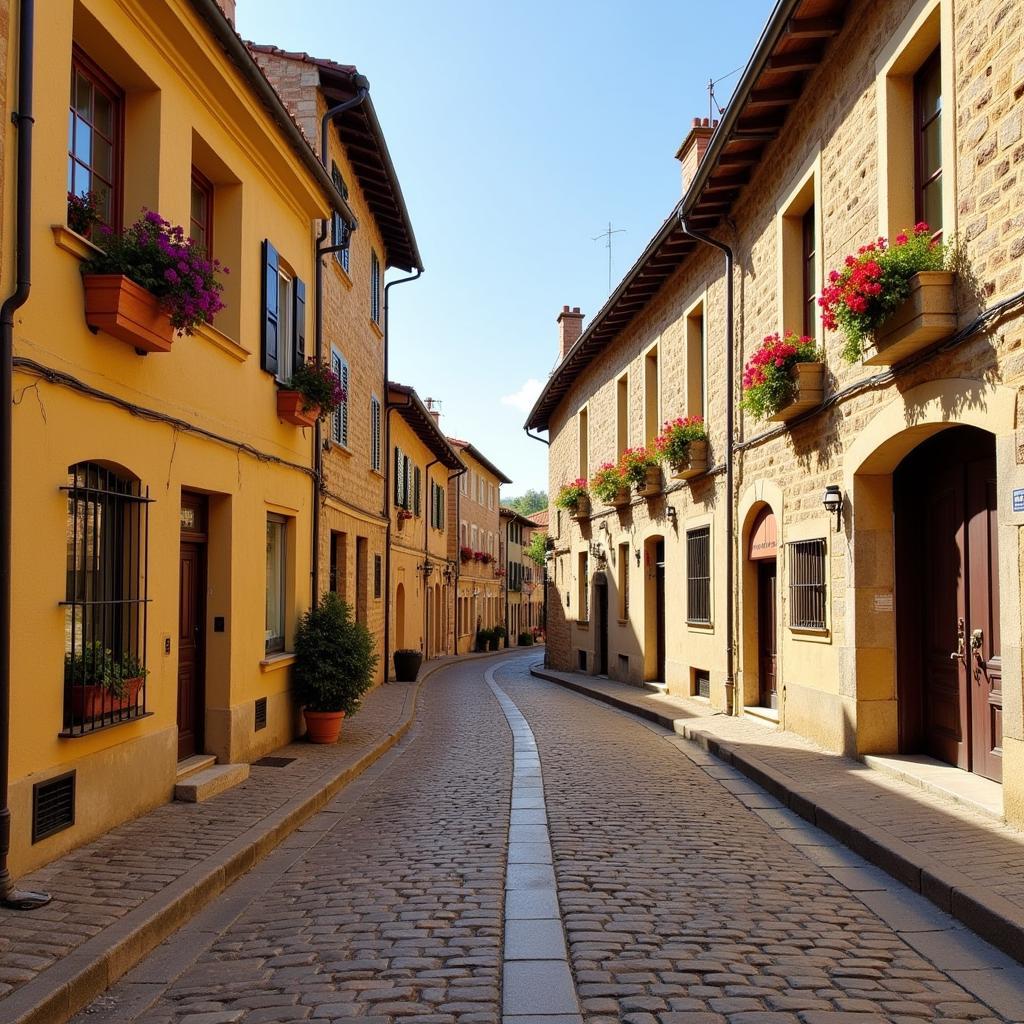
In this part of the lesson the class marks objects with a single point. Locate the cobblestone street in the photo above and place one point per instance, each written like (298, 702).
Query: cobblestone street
(686, 894)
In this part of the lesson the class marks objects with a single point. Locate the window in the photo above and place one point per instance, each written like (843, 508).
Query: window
(339, 229)
(339, 563)
(464, 483)
(621, 415)
(339, 418)
(809, 288)
(474, 543)
(200, 220)
(583, 580)
(283, 337)
(374, 288)
(462, 534)
(652, 412)
(436, 505)
(277, 564)
(105, 598)
(623, 573)
(584, 443)
(416, 504)
(406, 489)
(928, 143)
(698, 575)
(377, 576)
(94, 138)
(807, 584)
(375, 432)
(696, 362)
(362, 572)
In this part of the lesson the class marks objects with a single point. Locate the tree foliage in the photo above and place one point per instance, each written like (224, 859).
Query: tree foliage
(536, 548)
(528, 503)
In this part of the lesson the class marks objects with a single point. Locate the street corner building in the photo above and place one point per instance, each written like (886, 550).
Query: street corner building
(850, 566)
(524, 594)
(175, 512)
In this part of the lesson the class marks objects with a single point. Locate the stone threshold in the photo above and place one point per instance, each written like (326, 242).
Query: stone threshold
(988, 914)
(57, 993)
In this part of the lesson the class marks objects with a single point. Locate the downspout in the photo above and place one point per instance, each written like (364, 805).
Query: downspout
(10, 897)
(730, 373)
(386, 466)
(457, 565)
(426, 559)
(362, 91)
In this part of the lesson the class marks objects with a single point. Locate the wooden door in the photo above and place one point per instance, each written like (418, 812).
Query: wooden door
(659, 600)
(950, 672)
(191, 704)
(767, 620)
(602, 628)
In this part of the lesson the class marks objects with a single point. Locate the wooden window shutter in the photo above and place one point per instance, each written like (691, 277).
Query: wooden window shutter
(398, 470)
(299, 332)
(269, 309)
(416, 490)
(344, 405)
(375, 433)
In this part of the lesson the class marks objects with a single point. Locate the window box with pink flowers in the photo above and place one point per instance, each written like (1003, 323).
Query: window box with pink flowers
(783, 378)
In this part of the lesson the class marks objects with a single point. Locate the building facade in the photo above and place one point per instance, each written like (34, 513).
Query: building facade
(421, 569)
(523, 594)
(896, 626)
(354, 512)
(474, 541)
(146, 481)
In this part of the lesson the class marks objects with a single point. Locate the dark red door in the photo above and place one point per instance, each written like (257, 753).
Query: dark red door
(766, 632)
(190, 650)
(950, 676)
(659, 601)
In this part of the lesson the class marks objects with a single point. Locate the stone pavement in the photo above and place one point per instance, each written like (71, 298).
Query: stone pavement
(681, 893)
(118, 896)
(966, 862)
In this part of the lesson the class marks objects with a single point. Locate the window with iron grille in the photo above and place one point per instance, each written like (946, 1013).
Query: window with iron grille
(106, 599)
(375, 441)
(807, 584)
(698, 575)
(376, 577)
(374, 288)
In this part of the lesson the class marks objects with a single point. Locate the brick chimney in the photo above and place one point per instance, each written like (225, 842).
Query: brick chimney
(694, 146)
(228, 7)
(570, 327)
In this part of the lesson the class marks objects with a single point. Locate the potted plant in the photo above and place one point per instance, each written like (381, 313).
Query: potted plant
(407, 664)
(609, 484)
(783, 378)
(500, 637)
(683, 444)
(150, 282)
(483, 639)
(575, 499)
(525, 639)
(83, 213)
(465, 554)
(334, 665)
(100, 681)
(313, 393)
(891, 299)
(642, 470)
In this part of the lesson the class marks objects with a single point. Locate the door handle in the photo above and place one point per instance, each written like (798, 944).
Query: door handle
(959, 653)
(977, 638)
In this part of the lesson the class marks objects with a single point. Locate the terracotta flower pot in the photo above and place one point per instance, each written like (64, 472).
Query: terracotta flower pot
(91, 700)
(808, 391)
(323, 726)
(119, 307)
(621, 498)
(695, 463)
(651, 484)
(581, 510)
(290, 408)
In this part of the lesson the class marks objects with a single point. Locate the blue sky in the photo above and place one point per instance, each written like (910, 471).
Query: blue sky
(518, 132)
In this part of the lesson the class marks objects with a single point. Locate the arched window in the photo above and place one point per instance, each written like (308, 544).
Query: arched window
(105, 597)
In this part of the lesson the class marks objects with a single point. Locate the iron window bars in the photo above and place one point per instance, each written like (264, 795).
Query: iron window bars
(807, 584)
(698, 575)
(106, 602)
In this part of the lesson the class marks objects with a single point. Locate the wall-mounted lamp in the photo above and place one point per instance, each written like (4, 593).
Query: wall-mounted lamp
(832, 499)
(596, 551)
(448, 572)
(636, 552)
(426, 568)
(673, 516)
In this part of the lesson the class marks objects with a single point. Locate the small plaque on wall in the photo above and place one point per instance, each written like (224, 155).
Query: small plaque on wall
(1018, 499)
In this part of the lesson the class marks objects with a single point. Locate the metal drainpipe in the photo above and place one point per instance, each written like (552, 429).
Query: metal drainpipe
(10, 897)
(362, 91)
(458, 560)
(386, 461)
(426, 558)
(730, 647)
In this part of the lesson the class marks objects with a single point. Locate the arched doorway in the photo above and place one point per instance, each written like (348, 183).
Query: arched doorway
(948, 654)
(601, 613)
(400, 617)
(654, 604)
(762, 553)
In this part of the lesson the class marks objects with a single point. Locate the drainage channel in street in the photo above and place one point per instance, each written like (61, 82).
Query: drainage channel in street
(537, 980)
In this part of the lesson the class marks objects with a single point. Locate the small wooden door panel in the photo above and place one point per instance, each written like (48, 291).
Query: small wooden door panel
(767, 628)
(190, 650)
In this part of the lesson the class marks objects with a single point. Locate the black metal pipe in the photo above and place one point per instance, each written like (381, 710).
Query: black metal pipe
(362, 91)
(22, 118)
(730, 388)
(386, 460)
(426, 561)
(457, 565)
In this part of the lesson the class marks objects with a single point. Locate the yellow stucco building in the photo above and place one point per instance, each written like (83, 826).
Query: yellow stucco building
(162, 509)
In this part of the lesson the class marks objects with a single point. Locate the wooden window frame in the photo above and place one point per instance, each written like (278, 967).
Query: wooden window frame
(82, 63)
(204, 185)
(931, 65)
(375, 281)
(808, 269)
(276, 644)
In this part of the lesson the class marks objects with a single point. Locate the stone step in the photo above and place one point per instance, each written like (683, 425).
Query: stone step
(208, 782)
(195, 763)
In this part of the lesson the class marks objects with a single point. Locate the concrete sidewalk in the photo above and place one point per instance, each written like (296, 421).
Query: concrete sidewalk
(116, 898)
(963, 860)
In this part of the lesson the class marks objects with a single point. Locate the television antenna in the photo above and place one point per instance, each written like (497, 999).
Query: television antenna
(607, 236)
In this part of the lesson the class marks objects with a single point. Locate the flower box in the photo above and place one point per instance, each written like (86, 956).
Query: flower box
(119, 307)
(927, 315)
(91, 700)
(652, 483)
(581, 510)
(808, 391)
(621, 498)
(696, 461)
(290, 408)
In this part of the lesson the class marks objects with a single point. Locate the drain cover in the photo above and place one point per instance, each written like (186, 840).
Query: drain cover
(272, 762)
